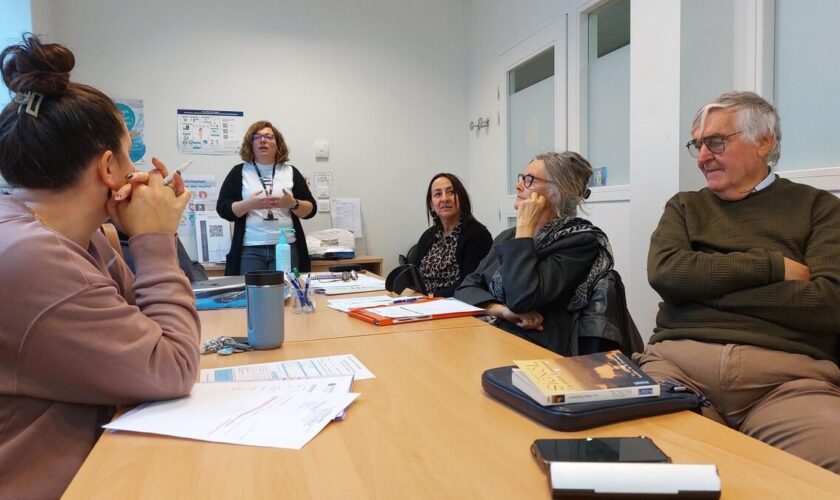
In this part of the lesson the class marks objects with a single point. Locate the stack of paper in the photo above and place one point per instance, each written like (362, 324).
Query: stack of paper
(363, 283)
(280, 405)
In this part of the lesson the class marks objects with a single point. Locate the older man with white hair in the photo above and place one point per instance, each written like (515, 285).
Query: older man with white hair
(748, 269)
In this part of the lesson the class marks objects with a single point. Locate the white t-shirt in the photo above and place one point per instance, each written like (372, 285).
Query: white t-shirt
(258, 230)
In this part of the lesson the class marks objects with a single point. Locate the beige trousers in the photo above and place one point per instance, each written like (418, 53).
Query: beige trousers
(790, 401)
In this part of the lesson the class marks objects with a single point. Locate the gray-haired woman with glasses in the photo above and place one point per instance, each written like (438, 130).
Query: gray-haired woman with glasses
(542, 270)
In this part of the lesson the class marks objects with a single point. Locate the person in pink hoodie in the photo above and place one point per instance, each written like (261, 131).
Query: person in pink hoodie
(79, 334)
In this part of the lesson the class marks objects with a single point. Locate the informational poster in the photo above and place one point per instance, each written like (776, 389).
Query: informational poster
(347, 214)
(209, 132)
(132, 112)
(203, 196)
(203, 193)
(212, 237)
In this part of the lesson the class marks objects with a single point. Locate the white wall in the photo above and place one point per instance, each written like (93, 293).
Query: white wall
(15, 20)
(383, 81)
(494, 30)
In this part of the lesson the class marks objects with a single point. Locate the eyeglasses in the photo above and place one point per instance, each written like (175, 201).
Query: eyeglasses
(528, 179)
(268, 137)
(715, 143)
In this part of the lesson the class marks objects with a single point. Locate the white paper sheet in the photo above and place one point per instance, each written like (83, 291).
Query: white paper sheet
(399, 312)
(347, 214)
(212, 237)
(345, 364)
(426, 309)
(363, 284)
(344, 305)
(277, 413)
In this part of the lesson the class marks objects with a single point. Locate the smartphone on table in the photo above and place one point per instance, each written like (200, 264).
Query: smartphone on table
(612, 449)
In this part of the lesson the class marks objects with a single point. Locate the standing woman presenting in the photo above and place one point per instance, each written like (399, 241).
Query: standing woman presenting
(263, 196)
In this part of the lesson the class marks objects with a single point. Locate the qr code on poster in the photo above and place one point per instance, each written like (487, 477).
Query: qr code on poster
(215, 231)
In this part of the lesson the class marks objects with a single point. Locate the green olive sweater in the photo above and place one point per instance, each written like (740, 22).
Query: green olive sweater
(719, 268)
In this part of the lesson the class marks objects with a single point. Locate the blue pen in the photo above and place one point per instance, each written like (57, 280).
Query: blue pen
(405, 300)
(298, 291)
(306, 289)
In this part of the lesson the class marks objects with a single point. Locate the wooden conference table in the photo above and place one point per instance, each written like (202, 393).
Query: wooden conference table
(324, 324)
(423, 428)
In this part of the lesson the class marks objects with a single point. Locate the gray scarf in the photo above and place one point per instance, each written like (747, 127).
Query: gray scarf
(561, 228)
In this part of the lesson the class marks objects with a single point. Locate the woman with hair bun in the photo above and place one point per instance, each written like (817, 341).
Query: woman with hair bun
(79, 334)
(539, 272)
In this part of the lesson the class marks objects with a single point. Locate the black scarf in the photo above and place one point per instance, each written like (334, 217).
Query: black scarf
(555, 230)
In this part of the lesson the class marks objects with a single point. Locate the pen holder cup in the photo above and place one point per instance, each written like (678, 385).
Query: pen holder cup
(303, 302)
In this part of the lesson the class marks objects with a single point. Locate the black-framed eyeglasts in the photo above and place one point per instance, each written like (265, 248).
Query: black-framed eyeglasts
(528, 179)
(715, 143)
(268, 137)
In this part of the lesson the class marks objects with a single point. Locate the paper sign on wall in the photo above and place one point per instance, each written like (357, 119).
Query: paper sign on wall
(347, 214)
(212, 235)
(132, 113)
(209, 132)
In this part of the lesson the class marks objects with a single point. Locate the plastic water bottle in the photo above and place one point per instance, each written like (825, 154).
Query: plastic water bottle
(283, 254)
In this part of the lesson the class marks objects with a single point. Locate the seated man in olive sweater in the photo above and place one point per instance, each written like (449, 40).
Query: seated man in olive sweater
(748, 269)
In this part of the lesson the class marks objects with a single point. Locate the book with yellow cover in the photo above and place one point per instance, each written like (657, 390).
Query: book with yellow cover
(575, 379)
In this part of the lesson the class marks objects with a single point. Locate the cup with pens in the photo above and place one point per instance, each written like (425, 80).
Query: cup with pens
(303, 299)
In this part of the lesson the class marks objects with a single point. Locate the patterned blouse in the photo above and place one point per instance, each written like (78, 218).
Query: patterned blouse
(439, 266)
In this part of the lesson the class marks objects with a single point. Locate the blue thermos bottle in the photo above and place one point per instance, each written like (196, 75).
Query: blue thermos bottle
(265, 292)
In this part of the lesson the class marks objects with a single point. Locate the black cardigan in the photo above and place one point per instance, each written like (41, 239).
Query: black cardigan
(534, 280)
(232, 191)
(473, 244)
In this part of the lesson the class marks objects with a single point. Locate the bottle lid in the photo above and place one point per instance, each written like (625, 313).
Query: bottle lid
(264, 278)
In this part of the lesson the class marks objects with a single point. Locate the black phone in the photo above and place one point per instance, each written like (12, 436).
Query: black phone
(616, 449)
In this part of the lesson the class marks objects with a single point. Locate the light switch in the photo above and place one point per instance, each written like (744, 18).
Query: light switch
(323, 205)
(322, 150)
(322, 192)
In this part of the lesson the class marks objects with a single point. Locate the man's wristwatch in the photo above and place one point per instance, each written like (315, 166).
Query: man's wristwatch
(296, 205)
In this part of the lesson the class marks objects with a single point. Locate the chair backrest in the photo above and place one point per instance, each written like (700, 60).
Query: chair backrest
(405, 276)
(411, 255)
(605, 322)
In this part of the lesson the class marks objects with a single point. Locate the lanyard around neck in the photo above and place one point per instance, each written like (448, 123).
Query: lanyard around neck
(259, 176)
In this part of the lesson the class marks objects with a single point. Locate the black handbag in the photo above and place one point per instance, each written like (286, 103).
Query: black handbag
(577, 416)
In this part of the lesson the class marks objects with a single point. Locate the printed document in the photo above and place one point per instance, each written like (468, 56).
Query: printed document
(344, 305)
(364, 283)
(347, 214)
(426, 309)
(345, 364)
(275, 413)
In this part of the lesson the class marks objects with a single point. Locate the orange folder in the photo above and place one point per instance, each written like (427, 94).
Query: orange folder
(369, 313)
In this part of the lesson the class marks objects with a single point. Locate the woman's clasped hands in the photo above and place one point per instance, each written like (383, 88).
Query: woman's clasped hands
(259, 200)
(531, 320)
(144, 204)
